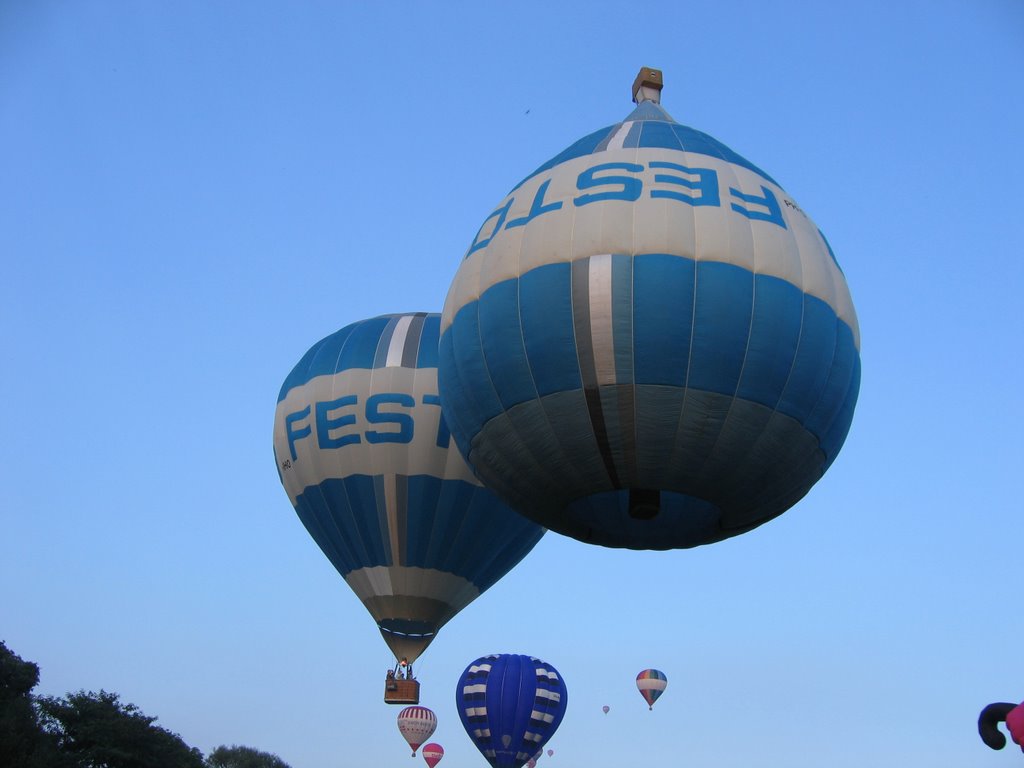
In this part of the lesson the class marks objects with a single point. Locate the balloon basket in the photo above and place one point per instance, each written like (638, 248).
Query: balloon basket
(401, 691)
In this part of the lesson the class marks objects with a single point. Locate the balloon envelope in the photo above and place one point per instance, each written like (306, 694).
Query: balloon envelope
(510, 705)
(605, 709)
(648, 343)
(364, 453)
(651, 683)
(416, 724)
(1015, 724)
(432, 754)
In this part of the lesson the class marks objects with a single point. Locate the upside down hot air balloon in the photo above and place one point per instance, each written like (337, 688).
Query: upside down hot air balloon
(510, 705)
(1001, 712)
(651, 683)
(648, 343)
(363, 452)
(416, 724)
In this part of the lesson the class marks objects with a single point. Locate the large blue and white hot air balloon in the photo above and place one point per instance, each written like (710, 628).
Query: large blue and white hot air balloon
(648, 343)
(510, 705)
(363, 452)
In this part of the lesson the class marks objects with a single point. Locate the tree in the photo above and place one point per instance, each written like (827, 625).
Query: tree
(23, 743)
(243, 757)
(94, 730)
(99, 731)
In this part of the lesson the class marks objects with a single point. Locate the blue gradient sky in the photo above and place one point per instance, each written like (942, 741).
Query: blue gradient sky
(193, 193)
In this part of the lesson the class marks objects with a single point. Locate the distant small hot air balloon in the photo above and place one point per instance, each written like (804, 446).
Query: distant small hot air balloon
(651, 683)
(416, 725)
(510, 705)
(605, 709)
(551, 752)
(432, 754)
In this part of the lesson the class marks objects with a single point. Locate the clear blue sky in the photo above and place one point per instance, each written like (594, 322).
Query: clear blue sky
(192, 193)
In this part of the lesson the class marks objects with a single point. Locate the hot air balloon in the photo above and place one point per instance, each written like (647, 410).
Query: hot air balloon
(651, 683)
(1015, 725)
(648, 343)
(510, 705)
(363, 451)
(605, 709)
(416, 724)
(432, 754)
(551, 752)
(1002, 712)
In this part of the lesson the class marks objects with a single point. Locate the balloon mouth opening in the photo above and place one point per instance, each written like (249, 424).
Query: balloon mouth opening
(408, 632)
(412, 635)
(644, 504)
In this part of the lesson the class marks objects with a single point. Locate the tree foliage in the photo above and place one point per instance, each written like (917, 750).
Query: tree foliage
(243, 757)
(94, 730)
(23, 743)
(103, 732)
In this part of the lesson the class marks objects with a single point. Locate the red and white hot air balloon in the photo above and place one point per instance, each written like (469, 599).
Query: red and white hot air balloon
(416, 725)
(432, 753)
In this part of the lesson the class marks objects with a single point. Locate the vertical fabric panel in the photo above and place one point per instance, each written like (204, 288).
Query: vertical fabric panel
(724, 299)
(503, 347)
(622, 317)
(472, 367)
(774, 335)
(547, 320)
(813, 360)
(834, 438)
(663, 289)
(426, 356)
(836, 386)
(460, 419)
(360, 347)
(659, 134)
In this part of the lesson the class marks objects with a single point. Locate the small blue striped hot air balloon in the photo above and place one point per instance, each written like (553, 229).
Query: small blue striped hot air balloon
(363, 451)
(510, 705)
(648, 343)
